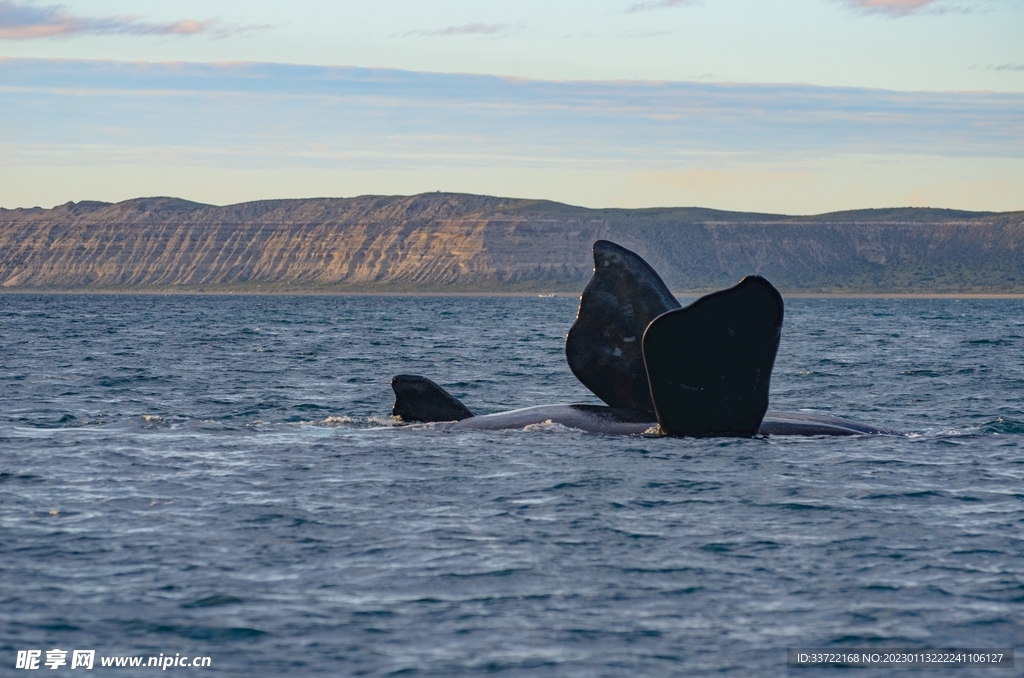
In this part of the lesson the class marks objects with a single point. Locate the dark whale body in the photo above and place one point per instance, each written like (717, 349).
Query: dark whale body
(592, 418)
(416, 396)
(699, 371)
(625, 421)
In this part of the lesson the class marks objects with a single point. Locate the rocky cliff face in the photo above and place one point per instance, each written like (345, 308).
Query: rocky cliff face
(463, 242)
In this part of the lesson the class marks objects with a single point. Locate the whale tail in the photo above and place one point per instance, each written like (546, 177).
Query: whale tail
(703, 370)
(419, 399)
(603, 345)
(709, 365)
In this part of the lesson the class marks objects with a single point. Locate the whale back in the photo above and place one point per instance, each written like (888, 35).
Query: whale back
(603, 347)
(710, 364)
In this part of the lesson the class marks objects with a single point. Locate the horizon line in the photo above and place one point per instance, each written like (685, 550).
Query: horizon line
(201, 205)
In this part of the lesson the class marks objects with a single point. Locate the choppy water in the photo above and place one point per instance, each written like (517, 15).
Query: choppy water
(219, 476)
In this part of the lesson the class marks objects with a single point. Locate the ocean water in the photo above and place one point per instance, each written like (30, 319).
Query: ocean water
(220, 476)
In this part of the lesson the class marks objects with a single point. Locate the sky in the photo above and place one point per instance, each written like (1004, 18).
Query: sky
(791, 106)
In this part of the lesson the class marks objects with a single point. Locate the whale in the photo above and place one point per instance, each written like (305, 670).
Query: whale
(661, 369)
(418, 399)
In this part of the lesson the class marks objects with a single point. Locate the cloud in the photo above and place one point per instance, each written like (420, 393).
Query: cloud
(658, 4)
(23, 21)
(465, 29)
(1010, 67)
(391, 117)
(892, 7)
(222, 126)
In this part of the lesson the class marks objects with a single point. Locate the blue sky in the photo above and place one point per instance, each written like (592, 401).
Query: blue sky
(798, 106)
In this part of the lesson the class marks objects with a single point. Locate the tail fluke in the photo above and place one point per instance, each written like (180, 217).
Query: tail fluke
(709, 364)
(603, 345)
(419, 399)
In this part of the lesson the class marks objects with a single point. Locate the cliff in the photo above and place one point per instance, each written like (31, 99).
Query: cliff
(453, 242)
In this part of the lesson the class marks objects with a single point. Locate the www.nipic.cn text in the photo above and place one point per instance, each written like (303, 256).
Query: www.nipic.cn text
(86, 659)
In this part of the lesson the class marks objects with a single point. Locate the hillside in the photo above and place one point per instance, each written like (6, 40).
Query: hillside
(454, 242)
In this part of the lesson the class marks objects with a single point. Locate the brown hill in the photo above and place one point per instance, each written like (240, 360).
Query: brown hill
(453, 242)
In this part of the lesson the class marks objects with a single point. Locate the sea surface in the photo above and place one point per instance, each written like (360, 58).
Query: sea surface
(220, 476)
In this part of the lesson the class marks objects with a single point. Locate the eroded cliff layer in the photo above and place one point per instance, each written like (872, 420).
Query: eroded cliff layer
(455, 242)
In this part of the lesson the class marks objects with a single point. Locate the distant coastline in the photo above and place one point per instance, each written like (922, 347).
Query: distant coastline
(681, 294)
(456, 244)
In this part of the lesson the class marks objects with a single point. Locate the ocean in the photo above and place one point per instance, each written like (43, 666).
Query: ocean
(219, 476)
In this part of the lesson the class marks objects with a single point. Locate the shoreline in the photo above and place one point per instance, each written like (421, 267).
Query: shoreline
(541, 294)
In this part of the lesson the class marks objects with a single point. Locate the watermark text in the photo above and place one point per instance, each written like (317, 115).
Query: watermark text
(56, 658)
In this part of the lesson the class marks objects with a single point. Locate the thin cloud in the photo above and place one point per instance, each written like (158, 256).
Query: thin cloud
(658, 4)
(1010, 67)
(22, 21)
(891, 7)
(465, 29)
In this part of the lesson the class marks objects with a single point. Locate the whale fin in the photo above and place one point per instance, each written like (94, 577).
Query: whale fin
(710, 364)
(419, 399)
(603, 345)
